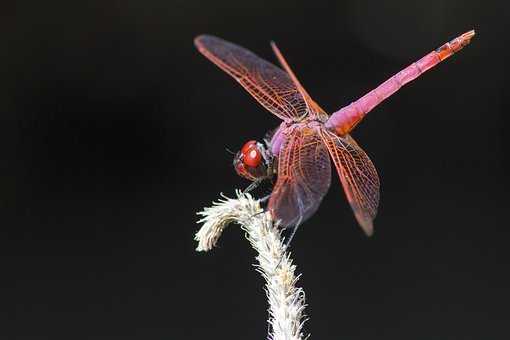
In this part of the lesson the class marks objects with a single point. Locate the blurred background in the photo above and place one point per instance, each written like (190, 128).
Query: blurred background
(113, 133)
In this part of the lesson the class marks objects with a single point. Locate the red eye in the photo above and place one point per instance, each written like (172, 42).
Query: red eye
(252, 157)
(248, 145)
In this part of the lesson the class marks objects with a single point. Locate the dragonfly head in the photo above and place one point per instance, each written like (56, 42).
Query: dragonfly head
(253, 161)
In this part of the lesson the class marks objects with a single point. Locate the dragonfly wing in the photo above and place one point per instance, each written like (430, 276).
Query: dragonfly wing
(313, 107)
(269, 85)
(358, 176)
(304, 176)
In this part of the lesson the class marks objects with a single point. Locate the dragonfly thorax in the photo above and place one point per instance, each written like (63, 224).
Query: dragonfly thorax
(254, 161)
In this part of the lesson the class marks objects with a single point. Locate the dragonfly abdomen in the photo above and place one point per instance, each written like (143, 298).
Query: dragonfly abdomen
(344, 120)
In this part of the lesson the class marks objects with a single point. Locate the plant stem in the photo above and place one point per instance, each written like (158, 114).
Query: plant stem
(286, 301)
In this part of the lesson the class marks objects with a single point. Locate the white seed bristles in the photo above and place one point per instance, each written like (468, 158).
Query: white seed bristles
(286, 301)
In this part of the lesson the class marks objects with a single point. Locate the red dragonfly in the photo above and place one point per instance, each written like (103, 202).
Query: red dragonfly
(299, 151)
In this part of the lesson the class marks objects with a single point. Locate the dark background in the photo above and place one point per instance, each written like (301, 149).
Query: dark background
(113, 134)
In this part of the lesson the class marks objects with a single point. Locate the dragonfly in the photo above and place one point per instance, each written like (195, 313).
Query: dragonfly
(299, 151)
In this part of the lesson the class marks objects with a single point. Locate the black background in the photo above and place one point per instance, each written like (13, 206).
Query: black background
(113, 134)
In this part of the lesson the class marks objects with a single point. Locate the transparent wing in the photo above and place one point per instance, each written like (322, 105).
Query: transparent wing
(358, 176)
(269, 85)
(304, 176)
(313, 107)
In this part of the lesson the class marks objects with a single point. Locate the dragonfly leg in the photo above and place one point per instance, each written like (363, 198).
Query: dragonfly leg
(265, 198)
(289, 240)
(261, 200)
(252, 186)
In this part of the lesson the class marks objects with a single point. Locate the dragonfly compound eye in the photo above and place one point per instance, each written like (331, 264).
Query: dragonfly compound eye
(251, 162)
(248, 145)
(252, 156)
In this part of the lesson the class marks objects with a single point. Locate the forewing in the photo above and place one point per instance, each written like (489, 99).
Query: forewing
(268, 84)
(304, 176)
(313, 107)
(358, 176)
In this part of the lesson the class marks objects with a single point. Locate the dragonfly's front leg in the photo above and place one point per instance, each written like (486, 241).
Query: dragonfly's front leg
(252, 186)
